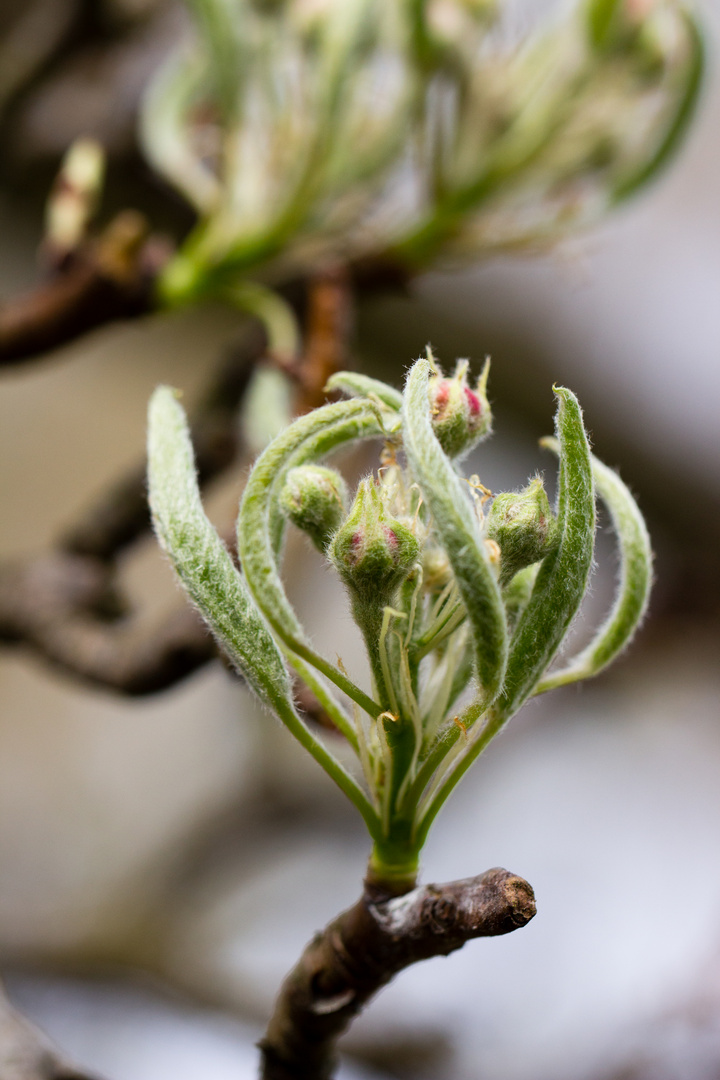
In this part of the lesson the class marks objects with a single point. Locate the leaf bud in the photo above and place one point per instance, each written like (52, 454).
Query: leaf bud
(372, 551)
(461, 416)
(523, 526)
(315, 499)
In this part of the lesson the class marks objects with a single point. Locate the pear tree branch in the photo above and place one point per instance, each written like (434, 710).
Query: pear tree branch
(363, 948)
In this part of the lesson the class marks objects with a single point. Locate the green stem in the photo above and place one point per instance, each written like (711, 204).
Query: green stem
(373, 620)
(330, 764)
(276, 315)
(439, 751)
(449, 623)
(492, 726)
(333, 708)
(395, 859)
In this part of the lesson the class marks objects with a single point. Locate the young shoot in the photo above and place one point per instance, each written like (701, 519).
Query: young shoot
(463, 600)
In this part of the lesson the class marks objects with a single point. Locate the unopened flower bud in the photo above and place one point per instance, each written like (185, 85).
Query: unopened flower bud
(315, 499)
(523, 526)
(461, 416)
(372, 551)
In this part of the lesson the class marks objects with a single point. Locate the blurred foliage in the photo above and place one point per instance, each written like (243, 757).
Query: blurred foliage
(408, 131)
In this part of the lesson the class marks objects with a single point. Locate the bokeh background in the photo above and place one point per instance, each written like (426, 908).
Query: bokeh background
(163, 860)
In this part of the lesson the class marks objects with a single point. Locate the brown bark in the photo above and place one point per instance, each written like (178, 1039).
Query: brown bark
(58, 604)
(327, 330)
(360, 951)
(121, 515)
(110, 278)
(66, 604)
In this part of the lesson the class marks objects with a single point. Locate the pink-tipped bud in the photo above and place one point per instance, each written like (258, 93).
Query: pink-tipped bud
(372, 551)
(461, 415)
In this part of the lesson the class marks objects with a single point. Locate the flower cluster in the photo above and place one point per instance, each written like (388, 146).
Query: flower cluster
(463, 599)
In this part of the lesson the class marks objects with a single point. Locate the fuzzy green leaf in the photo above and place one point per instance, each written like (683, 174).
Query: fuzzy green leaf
(353, 384)
(563, 575)
(260, 521)
(556, 596)
(210, 578)
(634, 585)
(199, 556)
(446, 496)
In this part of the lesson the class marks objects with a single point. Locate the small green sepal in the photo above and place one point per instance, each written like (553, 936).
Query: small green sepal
(523, 526)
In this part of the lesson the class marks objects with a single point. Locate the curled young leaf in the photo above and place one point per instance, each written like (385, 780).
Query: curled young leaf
(563, 575)
(634, 585)
(260, 521)
(353, 384)
(447, 499)
(557, 593)
(200, 558)
(210, 578)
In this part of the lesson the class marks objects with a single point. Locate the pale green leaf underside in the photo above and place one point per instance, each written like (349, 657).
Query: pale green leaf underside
(634, 584)
(210, 578)
(446, 496)
(200, 558)
(354, 385)
(563, 576)
(260, 521)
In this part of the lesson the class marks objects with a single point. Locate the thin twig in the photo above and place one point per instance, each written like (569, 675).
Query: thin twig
(121, 515)
(328, 324)
(58, 604)
(360, 952)
(66, 604)
(109, 278)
